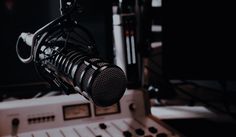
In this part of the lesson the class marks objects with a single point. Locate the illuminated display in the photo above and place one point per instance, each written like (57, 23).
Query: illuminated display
(76, 111)
(107, 110)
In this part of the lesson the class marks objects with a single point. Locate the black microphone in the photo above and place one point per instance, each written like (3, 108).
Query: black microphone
(94, 78)
(65, 54)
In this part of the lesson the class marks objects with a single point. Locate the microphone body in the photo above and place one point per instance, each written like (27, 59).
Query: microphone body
(95, 79)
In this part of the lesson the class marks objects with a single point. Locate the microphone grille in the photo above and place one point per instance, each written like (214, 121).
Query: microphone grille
(108, 86)
(103, 82)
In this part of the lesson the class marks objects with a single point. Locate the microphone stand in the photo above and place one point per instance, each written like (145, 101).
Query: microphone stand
(64, 54)
(67, 6)
(70, 10)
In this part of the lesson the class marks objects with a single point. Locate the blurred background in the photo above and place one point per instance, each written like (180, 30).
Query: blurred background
(183, 49)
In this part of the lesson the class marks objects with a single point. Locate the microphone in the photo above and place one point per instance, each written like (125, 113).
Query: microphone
(65, 55)
(94, 78)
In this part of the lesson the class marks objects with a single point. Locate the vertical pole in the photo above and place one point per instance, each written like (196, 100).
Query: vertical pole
(65, 5)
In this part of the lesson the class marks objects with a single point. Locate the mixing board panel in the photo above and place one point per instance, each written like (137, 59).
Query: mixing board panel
(73, 116)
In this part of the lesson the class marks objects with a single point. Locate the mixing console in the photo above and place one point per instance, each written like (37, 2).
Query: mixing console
(74, 116)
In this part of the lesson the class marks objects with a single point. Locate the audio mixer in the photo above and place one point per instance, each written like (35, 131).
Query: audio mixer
(74, 116)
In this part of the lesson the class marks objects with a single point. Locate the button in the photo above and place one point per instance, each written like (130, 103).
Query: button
(52, 118)
(152, 130)
(39, 119)
(29, 120)
(139, 131)
(48, 118)
(15, 122)
(43, 119)
(132, 107)
(148, 136)
(102, 126)
(34, 120)
(98, 136)
(15, 125)
(127, 134)
(162, 135)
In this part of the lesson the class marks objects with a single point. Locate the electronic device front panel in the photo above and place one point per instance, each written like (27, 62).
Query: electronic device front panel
(74, 116)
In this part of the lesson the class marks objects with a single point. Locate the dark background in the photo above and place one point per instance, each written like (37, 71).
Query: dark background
(198, 40)
(28, 16)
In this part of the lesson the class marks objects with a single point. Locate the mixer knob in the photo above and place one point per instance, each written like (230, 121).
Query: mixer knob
(127, 134)
(132, 107)
(15, 125)
(102, 126)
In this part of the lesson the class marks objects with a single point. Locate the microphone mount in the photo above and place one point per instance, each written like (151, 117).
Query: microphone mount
(64, 54)
(69, 5)
(49, 35)
(70, 11)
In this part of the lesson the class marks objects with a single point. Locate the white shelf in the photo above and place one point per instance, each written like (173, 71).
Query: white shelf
(156, 28)
(182, 112)
(156, 3)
